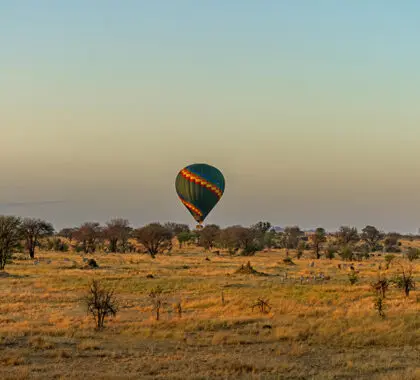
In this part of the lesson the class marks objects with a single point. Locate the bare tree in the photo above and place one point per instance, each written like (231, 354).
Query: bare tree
(317, 238)
(371, 235)
(10, 236)
(101, 303)
(88, 234)
(117, 231)
(33, 230)
(154, 237)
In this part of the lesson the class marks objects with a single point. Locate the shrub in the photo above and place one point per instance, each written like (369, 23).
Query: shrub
(353, 277)
(404, 280)
(288, 261)
(413, 254)
(330, 252)
(346, 253)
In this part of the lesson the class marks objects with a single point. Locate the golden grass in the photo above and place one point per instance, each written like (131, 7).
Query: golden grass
(315, 329)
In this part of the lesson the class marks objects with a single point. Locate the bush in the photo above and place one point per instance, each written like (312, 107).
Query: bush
(346, 253)
(57, 245)
(353, 277)
(250, 249)
(330, 251)
(288, 261)
(413, 254)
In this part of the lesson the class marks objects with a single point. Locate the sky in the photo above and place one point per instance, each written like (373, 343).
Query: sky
(309, 108)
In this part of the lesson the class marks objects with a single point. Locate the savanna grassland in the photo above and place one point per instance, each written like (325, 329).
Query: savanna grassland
(318, 327)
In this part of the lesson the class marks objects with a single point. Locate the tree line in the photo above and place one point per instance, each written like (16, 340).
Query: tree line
(118, 236)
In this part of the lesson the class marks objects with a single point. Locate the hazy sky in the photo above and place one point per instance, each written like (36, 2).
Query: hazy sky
(309, 108)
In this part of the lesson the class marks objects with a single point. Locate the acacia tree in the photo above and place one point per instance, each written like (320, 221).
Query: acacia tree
(88, 234)
(263, 234)
(347, 235)
(67, 233)
(177, 228)
(391, 242)
(371, 235)
(291, 237)
(208, 236)
(10, 236)
(154, 237)
(184, 237)
(237, 237)
(33, 230)
(317, 239)
(117, 231)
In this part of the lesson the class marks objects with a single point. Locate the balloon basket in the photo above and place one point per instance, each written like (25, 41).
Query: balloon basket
(199, 227)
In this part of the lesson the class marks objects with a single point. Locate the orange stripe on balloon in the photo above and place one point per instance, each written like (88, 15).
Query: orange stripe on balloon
(192, 207)
(201, 181)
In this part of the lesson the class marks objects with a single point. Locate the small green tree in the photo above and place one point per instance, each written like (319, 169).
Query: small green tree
(388, 260)
(347, 253)
(184, 237)
(391, 243)
(371, 235)
(317, 239)
(330, 251)
(347, 236)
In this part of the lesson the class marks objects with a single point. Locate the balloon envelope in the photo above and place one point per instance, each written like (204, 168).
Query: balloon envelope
(200, 187)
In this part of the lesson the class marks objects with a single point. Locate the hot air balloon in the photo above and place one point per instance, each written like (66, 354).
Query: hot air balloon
(200, 187)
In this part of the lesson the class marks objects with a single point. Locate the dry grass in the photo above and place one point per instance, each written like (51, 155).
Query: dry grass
(320, 329)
